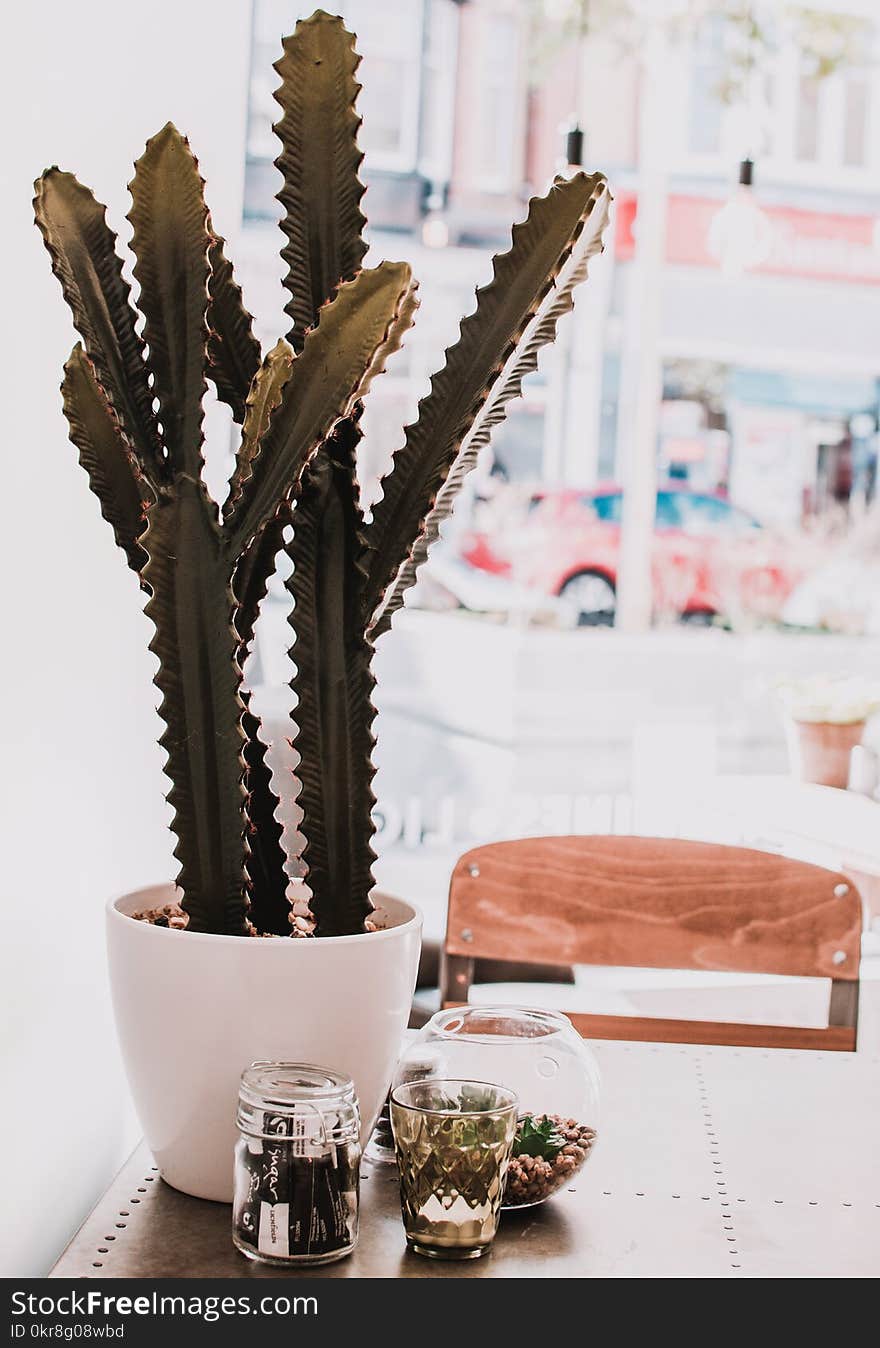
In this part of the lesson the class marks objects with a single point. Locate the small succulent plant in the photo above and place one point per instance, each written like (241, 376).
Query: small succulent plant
(538, 1137)
(133, 392)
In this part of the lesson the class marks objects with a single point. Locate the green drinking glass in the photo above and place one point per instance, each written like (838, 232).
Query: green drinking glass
(453, 1141)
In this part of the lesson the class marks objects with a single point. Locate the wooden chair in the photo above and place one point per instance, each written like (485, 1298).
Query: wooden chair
(664, 904)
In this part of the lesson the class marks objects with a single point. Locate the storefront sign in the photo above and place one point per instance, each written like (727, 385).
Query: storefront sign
(823, 247)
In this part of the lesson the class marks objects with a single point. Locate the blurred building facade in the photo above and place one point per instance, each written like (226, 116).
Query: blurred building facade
(770, 375)
(448, 121)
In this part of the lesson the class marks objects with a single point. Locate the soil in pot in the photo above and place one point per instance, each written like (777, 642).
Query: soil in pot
(301, 921)
(173, 916)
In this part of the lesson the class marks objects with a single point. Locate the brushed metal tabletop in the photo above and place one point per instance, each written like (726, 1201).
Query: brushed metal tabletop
(711, 1162)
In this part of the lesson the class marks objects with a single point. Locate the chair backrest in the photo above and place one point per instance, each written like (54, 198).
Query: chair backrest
(659, 903)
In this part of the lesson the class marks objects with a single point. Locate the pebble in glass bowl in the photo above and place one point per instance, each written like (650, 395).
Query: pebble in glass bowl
(541, 1057)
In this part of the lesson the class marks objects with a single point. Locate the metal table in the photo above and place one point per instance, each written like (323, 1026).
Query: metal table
(712, 1162)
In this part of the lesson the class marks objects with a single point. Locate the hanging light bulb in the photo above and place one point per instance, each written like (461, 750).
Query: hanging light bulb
(740, 235)
(574, 146)
(435, 232)
(435, 228)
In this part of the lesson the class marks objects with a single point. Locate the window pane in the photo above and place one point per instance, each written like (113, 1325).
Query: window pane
(807, 133)
(389, 40)
(500, 88)
(668, 515)
(768, 117)
(438, 89)
(382, 103)
(703, 515)
(855, 121)
(704, 112)
(607, 508)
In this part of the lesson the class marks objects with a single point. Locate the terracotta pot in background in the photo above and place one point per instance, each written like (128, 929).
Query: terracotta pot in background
(820, 750)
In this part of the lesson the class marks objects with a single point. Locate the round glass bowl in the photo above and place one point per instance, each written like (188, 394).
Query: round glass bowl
(541, 1057)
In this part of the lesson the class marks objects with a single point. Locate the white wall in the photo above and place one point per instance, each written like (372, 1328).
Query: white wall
(82, 790)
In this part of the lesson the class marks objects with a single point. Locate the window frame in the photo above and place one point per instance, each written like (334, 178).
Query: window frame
(777, 161)
(507, 179)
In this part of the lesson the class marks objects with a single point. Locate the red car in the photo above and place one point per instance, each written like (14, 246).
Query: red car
(709, 557)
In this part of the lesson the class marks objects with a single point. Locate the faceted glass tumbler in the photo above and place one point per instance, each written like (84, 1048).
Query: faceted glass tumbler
(453, 1141)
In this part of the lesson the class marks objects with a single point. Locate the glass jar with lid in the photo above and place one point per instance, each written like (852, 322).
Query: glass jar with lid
(297, 1163)
(540, 1056)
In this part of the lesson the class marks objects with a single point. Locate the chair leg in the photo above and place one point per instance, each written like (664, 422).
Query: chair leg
(843, 1008)
(456, 976)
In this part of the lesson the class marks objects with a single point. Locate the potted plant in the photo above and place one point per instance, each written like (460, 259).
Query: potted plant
(825, 721)
(196, 996)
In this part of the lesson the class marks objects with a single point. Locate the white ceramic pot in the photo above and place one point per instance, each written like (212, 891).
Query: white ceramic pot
(193, 1010)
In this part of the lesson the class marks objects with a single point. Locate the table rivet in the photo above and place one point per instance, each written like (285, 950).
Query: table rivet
(841, 891)
(467, 934)
(473, 871)
(839, 957)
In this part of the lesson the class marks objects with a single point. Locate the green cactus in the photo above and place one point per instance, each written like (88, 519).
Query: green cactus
(134, 408)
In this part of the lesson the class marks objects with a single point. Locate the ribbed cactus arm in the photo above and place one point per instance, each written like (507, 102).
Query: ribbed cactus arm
(540, 331)
(266, 863)
(191, 607)
(233, 350)
(170, 239)
(333, 685)
(523, 279)
(319, 162)
(83, 251)
(114, 473)
(356, 332)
